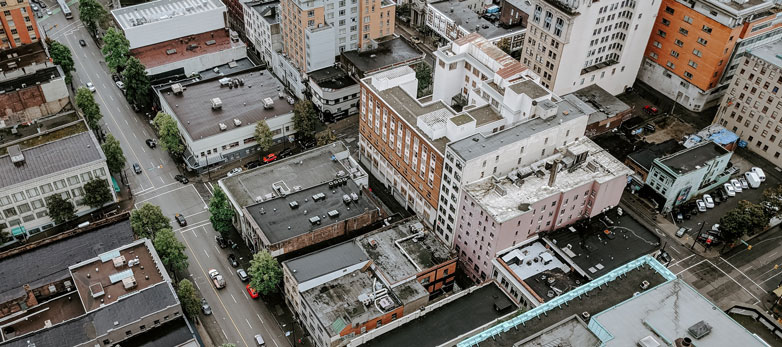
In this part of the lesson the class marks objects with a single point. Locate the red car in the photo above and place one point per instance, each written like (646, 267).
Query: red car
(650, 109)
(270, 158)
(252, 292)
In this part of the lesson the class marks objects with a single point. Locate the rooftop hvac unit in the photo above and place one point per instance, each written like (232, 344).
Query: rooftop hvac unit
(222, 126)
(385, 302)
(129, 282)
(237, 122)
(119, 261)
(224, 81)
(333, 213)
(177, 88)
(354, 196)
(268, 103)
(346, 199)
(315, 220)
(133, 262)
(293, 204)
(217, 104)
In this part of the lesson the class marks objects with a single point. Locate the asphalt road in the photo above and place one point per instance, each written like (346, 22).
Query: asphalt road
(239, 317)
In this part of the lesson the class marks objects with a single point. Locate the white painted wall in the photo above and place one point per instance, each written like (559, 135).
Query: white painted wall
(176, 27)
(205, 61)
(322, 49)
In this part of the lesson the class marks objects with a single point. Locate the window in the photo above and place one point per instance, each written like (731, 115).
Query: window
(683, 31)
(702, 41)
(73, 180)
(693, 64)
(678, 42)
(46, 188)
(666, 22)
(688, 19)
(674, 54)
(707, 29)
(670, 65)
(669, 10)
(661, 33)
(697, 53)
(657, 44)
(653, 55)
(688, 74)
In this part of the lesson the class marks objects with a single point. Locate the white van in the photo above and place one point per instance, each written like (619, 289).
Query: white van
(752, 179)
(758, 171)
(259, 340)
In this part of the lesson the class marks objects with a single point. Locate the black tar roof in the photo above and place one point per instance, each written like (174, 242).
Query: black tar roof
(99, 322)
(172, 333)
(331, 77)
(592, 246)
(279, 222)
(388, 53)
(645, 157)
(605, 104)
(319, 263)
(41, 76)
(49, 263)
(449, 321)
(694, 157)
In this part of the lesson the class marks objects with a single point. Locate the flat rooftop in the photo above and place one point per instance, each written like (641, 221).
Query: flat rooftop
(672, 310)
(192, 46)
(325, 261)
(48, 158)
(388, 53)
(449, 321)
(54, 311)
(49, 262)
(509, 197)
(24, 55)
(302, 170)
(571, 331)
(604, 104)
(161, 10)
(769, 52)
(269, 11)
(466, 18)
(542, 270)
(694, 157)
(332, 77)
(403, 250)
(644, 157)
(30, 79)
(483, 115)
(279, 222)
(529, 88)
(193, 108)
(410, 109)
(596, 252)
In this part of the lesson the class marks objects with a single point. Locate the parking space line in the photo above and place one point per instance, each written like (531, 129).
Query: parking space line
(155, 189)
(197, 213)
(772, 277)
(194, 233)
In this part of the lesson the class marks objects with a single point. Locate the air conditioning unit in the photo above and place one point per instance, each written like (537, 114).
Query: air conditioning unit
(217, 104)
(129, 282)
(119, 261)
(237, 122)
(222, 126)
(268, 103)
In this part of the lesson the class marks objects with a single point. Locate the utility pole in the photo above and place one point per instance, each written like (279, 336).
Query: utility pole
(696, 236)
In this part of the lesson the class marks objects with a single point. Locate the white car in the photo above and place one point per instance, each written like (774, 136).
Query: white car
(234, 171)
(708, 200)
(729, 189)
(744, 184)
(91, 87)
(120, 85)
(736, 185)
(701, 205)
(761, 175)
(49, 12)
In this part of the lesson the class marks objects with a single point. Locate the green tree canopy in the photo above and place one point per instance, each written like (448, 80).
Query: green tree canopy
(746, 218)
(188, 298)
(115, 159)
(116, 49)
(61, 55)
(326, 137)
(265, 273)
(147, 220)
(92, 14)
(222, 212)
(228, 345)
(97, 193)
(423, 72)
(60, 210)
(170, 250)
(136, 83)
(169, 133)
(263, 135)
(772, 201)
(86, 102)
(305, 120)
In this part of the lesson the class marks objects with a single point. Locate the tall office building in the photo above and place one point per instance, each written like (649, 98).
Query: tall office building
(17, 24)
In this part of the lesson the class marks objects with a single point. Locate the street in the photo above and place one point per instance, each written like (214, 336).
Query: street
(239, 317)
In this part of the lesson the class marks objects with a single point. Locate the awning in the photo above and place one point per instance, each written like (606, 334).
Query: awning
(114, 183)
(20, 230)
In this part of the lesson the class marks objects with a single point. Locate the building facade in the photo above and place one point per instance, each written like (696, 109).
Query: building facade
(452, 19)
(694, 46)
(262, 28)
(752, 105)
(608, 36)
(334, 93)
(17, 24)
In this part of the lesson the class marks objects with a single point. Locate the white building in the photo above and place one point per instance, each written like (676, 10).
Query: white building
(217, 116)
(609, 37)
(334, 93)
(29, 175)
(262, 28)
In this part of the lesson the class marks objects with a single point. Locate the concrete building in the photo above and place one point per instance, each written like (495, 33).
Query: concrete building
(688, 173)
(17, 25)
(31, 173)
(515, 12)
(216, 116)
(108, 293)
(391, 52)
(695, 46)
(607, 36)
(609, 112)
(360, 285)
(758, 77)
(301, 171)
(579, 180)
(641, 160)
(31, 86)
(262, 28)
(453, 19)
(334, 93)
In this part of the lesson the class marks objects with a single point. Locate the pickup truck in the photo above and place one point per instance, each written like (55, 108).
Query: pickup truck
(217, 279)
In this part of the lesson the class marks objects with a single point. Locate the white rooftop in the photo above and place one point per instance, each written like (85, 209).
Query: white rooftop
(532, 260)
(161, 10)
(599, 166)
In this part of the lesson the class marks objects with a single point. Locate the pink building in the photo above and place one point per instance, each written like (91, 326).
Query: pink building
(580, 180)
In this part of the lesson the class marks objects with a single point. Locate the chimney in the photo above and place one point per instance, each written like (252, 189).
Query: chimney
(31, 301)
(552, 178)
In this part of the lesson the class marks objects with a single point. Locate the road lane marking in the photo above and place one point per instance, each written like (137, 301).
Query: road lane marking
(156, 189)
(743, 274)
(207, 189)
(676, 263)
(112, 99)
(232, 296)
(134, 135)
(248, 323)
(161, 194)
(199, 196)
(245, 296)
(207, 255)
(259, 318)
(734, 280)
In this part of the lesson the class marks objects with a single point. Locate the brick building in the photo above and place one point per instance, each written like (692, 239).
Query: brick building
(17, 24)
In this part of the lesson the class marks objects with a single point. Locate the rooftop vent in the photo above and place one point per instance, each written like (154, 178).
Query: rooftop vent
(268, 103)
(354, 196)
(217, 104)
(170, 51)
(222, 126)
(119, 261)
(333, 213)
(17, 157)
(699, 330)
(315, 220)
(319, 196)
(225, 81)
(293, 204)
(237, 122)
(648, 341)
(177, 88)
(346, 199)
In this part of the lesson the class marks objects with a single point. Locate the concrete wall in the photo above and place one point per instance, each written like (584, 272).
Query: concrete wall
(332, 100)
(205, 61)
(119, 334)
(288, 74)
(172, 28)
(322, 51)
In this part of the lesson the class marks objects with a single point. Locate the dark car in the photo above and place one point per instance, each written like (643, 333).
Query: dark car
(252, 165)
(181, 178)
(151, 143)
(136, 168)
(116, 77)
(285, 152)
(180, 219)
(232, 260)
(205, 308)
(242, 275)
(220, 241)
(82, 43)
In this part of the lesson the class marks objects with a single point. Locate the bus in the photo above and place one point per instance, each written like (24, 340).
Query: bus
(65, 10)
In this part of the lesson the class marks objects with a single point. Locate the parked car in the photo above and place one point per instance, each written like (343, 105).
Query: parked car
(259, 340)
(220, 241)
(242, 275)
(205, 308)
(701, 205)
(761, 175)
(151, 143)
(285, 152)
(232, 260)
(729, 189)
(217, 279)
(736, 185)
(252, 165)
(180, 219)
(253, 293)
(182, 179)
(649, 127)
(752, 179)
(682, 231)
(82, 43)
(708, 201)
(49, 12)
(42, 4)
(234, 171)
(136, 168)
(35, 8)
(415, 39)
(744, 183)
(91, 87)
(38, 15)
(651, 109)
(269, 158)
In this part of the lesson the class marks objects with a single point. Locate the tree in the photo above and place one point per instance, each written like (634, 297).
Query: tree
(504, 45)
(116, 49)
(61, 55)
(170, 250)
(326, 137)
(772, 201)
(92, 14)
(263, 135)
(188, 298)
(136, 83)
(115, 159)
(86, 102)
(60, 210)
(4, 235)
(228, 345)
(222, 212)
(265, 273)
(423, 73)
(148, 220)
(169, 133)
(305, 120)
(97, 193)
(745, 219)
